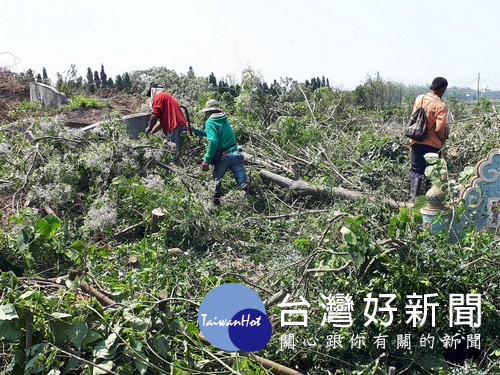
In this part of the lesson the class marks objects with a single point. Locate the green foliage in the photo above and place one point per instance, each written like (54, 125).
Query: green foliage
(86, 102)
(436, 171)
(71, 83)
(482, 105)
(27, 108)
(377, 94)
(298, 131)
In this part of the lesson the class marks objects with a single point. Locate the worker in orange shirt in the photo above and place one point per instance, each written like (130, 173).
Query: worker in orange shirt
(437, 131)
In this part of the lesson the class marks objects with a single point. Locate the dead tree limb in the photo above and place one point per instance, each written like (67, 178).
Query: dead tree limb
(304, 188)
(308, 105)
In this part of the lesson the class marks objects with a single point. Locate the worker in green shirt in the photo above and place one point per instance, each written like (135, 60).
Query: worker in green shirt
(222, 151)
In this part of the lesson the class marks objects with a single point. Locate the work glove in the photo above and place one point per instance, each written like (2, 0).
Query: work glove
(204, 166)
(147, 131)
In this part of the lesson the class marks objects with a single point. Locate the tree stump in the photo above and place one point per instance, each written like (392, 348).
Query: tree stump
(157, 216)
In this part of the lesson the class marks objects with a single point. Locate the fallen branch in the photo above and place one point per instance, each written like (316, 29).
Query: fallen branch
(308, 105)
(252, 159)
(245, 280)
(396, 241)
(26, 178)
(122, 232)
(478, 260)
(272, 366)
(277, 217)
(80, 359)
(324, 270)
(374, 259)
(82, 142)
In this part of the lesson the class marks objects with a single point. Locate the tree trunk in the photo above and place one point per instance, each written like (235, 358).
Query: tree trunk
(304, 188)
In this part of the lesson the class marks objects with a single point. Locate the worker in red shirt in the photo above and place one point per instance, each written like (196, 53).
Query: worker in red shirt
(166, 109)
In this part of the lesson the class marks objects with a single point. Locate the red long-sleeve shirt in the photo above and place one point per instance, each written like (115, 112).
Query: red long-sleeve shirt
(169, 112)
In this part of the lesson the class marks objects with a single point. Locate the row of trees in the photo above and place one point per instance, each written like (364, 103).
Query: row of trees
(375, 93)
(96, 81)
(71, 82)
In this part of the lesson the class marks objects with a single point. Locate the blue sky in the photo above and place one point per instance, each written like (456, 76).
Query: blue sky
(405, 41)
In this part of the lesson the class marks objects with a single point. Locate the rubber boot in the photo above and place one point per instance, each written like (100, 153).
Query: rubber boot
(218, 193)
(245, 188)
(415, 186)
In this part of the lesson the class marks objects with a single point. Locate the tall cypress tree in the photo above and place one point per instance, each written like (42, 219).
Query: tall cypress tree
(97, 80)
(104, 77)
(314, 84)
(90, 80)
(212, 80)
(119, 83)
(45, 77)
(127, 83)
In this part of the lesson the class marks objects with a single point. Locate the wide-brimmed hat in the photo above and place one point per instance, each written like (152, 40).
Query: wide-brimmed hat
(212, 105)
(153, 85)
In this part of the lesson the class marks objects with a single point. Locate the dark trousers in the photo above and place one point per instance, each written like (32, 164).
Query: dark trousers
(418, 162)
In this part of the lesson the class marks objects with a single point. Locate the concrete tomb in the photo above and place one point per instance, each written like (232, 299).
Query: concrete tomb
(481, 197)
(135, 124)
(49, 96)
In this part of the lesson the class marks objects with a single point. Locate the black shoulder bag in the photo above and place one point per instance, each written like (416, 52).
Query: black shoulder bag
(417, 124)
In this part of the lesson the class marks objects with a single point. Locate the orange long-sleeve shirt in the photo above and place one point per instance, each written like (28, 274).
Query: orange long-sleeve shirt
(436, 112)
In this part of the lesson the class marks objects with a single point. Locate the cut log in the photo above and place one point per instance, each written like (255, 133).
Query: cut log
(304, 188)
(275, 298)
(103, 299)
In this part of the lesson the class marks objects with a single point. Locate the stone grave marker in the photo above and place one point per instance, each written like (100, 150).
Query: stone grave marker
(48, 95)
(482, 194)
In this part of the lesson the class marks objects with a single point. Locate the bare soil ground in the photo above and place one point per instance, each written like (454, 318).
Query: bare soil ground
(124, 104)
(11, 91)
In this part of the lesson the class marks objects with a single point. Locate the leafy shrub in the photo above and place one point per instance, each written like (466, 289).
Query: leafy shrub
(86, 102)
